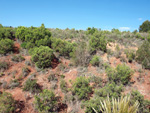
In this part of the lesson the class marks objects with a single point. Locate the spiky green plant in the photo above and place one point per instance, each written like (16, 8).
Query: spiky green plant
(120, 105)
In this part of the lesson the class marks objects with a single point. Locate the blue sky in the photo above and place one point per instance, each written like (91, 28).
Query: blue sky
(78, 14)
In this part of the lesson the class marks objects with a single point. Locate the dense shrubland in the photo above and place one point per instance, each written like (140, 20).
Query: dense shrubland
(81, 48)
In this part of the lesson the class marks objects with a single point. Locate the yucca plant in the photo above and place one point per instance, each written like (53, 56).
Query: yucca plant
(120, 105)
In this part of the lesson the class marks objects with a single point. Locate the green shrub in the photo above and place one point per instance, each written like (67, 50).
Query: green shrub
(121, 74)
(90, 104)
(136, 96)
(111, 89)
(31, 85)
(42, 56)
(143, 55)
(91, 30)
(23, 45)
(46, 102)
(98, 82)
(6, 45)
(81, 88)
(17, 58)
(99, 43)
(6, 33)
(81, 55)
(130, 55)
(65, 48)
(95, 60)
(118, 105)
(30, 45)
(47, 41)
(32, 34)
(7, 103)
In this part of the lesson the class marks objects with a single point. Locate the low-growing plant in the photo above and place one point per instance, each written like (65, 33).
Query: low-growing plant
(81, 88)
(143, 55)
(98, 81)
(7, 103)
(42, 56)
(111, 89)
(144, 104)
(130, 55)
(98, 43)
(32, 86)
(95, 61)
(118, 105)
(6, 45)
(46, 102)
(121, 74)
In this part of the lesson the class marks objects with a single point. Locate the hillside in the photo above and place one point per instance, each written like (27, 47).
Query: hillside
(69, 71)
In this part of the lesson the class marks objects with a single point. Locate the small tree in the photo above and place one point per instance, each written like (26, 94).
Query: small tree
(42, 56)
(46, 102)
(6, 45)
(145, 27)
(81, 88)
(95, 60)
(7, 103)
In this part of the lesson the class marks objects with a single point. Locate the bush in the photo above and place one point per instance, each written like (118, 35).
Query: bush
(32, 34)
(6, 45)
(32, 86)
(95, 60)
(65, 48)
(81, 55)
(7, 103)
(81, 88)
(111, 89)
(17, 58)
(143, 107)
(6, 33)
(96, 80)
(46, 102)
(97, 43)
(42, 56)
(143, 55)
(130, 55)
(121, 74)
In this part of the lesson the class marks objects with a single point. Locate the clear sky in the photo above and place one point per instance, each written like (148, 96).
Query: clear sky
(78, 14)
